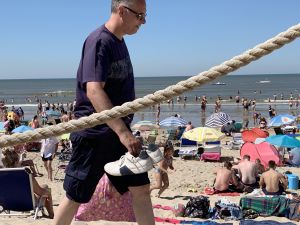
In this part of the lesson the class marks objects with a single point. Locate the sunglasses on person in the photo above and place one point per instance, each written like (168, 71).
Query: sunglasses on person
(139, 16)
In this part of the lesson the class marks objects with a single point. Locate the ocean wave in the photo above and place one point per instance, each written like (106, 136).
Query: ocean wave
(59, 92)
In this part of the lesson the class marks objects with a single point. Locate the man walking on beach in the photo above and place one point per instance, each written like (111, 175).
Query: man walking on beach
(105, 79)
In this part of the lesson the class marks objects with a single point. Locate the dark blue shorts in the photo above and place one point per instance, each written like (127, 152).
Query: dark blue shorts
(86, 166)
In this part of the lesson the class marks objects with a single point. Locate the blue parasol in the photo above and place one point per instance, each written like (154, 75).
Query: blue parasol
(283, 141)
(52, 112)
(21, 129)
(282, 119)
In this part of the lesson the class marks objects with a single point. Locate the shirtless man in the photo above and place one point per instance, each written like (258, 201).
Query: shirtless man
(64, 117)
(248, 171)
(272, 182)
(189, 126)
(225, 177)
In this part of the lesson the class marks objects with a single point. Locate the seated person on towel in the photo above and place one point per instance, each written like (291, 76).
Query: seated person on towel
(247, 171)
(294, 157)
(226, 180)
(272, 182)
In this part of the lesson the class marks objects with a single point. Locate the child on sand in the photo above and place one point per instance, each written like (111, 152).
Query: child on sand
(161, 173)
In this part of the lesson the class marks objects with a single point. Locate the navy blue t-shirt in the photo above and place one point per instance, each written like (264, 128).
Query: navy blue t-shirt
(104, 58)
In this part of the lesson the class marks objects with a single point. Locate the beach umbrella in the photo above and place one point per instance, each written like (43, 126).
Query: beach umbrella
(259, 140)
(282, 119)
(21, 129)
(173, 122)
(217, 119)
(253, 134)
(2, 129)
(283, 141)
(144, 125)
(203, 134)
(52, 112)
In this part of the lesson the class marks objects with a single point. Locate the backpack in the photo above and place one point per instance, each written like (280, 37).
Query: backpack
(197, 207)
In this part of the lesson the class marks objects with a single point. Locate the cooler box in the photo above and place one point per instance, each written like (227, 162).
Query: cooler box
(293, 181)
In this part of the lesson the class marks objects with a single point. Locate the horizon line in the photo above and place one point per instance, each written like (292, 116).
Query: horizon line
(62, 78)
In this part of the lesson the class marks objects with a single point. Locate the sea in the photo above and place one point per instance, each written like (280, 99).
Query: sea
(263, 88)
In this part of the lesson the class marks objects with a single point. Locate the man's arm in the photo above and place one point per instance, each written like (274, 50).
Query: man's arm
(101, 101)
(261, 181)
(283, 181)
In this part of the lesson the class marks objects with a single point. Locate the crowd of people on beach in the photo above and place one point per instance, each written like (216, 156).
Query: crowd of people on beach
(246, 175)
(105, 79)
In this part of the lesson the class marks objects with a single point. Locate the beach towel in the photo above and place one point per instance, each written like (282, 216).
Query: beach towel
(214, 156)
(162, 207)
(175, 221)
(294, 211)
(208, 222)
(167, 220)
(107, 204)
(211, 191)
(264, 222)
(224, 209)
(266, 206)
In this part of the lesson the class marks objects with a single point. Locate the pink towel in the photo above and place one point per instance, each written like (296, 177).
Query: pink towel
(162, 207)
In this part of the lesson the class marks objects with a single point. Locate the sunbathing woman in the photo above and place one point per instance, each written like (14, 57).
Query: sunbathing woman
(161, 173)
(11, 160)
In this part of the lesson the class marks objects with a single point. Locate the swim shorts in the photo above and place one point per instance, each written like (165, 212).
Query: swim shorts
(86, 166)
(49, 158)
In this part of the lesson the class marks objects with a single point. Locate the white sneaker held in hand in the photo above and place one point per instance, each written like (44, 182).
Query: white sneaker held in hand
(130, 165)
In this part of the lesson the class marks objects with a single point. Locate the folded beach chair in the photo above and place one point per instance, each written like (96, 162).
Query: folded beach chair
(212, 151)
(188, 148)
(16, 193)
(237, 141)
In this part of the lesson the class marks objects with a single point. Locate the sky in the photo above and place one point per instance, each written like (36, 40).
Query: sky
(43, 39)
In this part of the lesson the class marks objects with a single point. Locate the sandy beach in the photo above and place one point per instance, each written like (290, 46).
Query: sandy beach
(188, 174)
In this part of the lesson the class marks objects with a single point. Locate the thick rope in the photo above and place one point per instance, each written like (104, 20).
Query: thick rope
(159, 96)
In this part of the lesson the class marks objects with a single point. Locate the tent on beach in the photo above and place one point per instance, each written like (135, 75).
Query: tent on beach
(263, 151)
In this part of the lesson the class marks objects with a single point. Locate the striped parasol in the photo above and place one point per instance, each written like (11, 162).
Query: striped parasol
(144, 125)
(217, 119)
(173, 122)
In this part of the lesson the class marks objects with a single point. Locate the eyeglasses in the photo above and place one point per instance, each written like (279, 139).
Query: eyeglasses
(139, 16)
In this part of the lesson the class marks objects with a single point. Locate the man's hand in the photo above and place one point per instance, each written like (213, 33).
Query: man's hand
(132, 144)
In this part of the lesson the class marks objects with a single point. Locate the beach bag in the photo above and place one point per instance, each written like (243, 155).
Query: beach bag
(107, 204)
(227, 211)
(197, 207)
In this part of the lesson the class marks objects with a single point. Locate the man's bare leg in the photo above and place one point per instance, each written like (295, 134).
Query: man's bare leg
(142, 205)
(65, 212)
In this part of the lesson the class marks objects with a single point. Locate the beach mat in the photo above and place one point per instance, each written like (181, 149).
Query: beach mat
(265, 222)
(211, 191)
(175, 221)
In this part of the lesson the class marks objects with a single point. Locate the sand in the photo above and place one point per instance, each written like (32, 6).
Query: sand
(188, 174)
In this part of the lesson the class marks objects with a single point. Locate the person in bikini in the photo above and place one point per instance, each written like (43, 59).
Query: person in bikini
(161, 172)
(273, 182)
